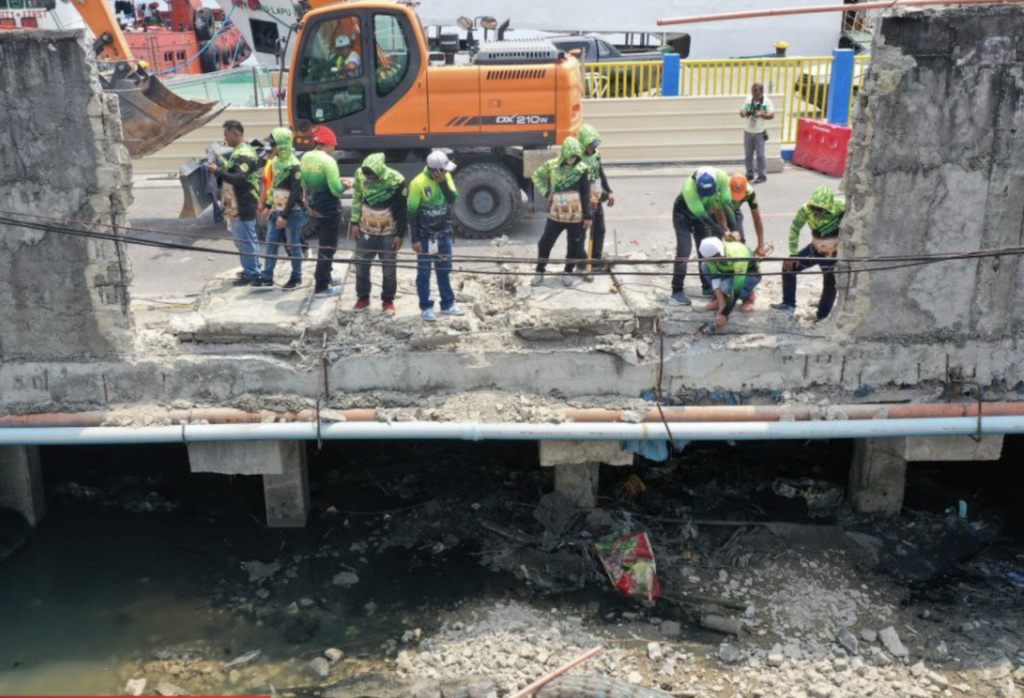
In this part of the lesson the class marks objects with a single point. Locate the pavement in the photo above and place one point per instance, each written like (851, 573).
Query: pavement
(170, 283)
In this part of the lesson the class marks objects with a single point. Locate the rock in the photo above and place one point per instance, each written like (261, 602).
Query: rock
(334, 655)
(320, 667)
(346, 579)
(263, 594)
(967, 627)
(135, 687)
(891, 641)
(306, 603)
(242, 659)
(728, 653)
(654, 652)
(917, 670)
(259, 572)
(820, 691)
(166, 688)
(937, 680)
(671, 628)
(234, 676)
(847, 640)
(998, 669)
(776, 659)
(635, 677)
(868, 635)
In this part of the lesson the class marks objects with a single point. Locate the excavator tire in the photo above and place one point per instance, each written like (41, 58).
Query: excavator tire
(490, 199)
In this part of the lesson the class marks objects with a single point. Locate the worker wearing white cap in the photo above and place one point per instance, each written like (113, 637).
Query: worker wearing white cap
(346, 60)
(727, 266)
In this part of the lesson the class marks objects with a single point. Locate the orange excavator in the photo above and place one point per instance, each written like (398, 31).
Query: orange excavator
(364, 69)
(151, 115)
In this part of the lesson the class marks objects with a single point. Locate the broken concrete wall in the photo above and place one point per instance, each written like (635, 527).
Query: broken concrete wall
(61, 296)
(937, 165)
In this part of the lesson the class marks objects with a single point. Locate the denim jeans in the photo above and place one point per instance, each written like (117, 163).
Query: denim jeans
(442, 264)
(725, 282)
(243, 233)
(291, 236)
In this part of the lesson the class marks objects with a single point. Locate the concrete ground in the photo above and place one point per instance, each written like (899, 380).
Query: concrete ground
(169, 282)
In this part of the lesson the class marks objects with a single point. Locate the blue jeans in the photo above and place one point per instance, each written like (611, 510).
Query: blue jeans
(442, 263)
(291, 236)
(243, 233)
(725, 282)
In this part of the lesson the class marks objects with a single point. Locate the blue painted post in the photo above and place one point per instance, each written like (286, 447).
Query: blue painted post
(671, 72)
(838, 109)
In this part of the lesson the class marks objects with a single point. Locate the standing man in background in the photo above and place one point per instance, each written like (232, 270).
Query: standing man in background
(239, 172)
(758, 111)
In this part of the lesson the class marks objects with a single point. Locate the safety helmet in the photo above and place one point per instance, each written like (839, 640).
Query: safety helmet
(711, 247)
(738, 187)
(342, 41)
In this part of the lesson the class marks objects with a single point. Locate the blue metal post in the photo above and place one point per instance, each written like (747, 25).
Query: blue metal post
(840, 87)
(671, 72)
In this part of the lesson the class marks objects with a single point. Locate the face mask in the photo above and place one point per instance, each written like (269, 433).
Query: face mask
(572, 161)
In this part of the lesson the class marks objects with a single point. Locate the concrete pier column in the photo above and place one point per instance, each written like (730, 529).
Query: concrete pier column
(877, 476)
(21, 482)
(281, 463)
(577, 467)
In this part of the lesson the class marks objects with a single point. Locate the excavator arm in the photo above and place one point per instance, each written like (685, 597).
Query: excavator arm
(151, 115)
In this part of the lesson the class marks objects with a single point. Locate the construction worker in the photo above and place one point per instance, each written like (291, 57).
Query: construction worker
(600, 192)
(432, 193)
(742, 192)
(239, 172)
(727, 266)
(266, 185)
(695, 216)
(346, 62)
(379, 215)
(823, 214)
(324, 187)
(564, 182)
(287, 212)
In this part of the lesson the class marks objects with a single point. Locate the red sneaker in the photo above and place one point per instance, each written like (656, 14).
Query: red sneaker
(361, 304)
(388, 307)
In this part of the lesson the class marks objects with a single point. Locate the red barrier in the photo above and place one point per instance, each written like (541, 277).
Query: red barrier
(821, 147)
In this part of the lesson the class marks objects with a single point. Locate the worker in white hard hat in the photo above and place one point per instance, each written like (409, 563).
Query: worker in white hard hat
(346, 61)
(726, 265)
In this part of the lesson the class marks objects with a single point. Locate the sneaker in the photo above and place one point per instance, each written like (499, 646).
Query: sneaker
(292, 284)
(362, 304)
(327, 292)
(760, 179)
(262, 284)
(537, 279)
(750, 176)
(335, 281)
(454, 310)
(243, 281)
(680, 298)
(583, 274)
(784, 307)
(748, 305)
(567, 279)
(388, 307)
(428, 315)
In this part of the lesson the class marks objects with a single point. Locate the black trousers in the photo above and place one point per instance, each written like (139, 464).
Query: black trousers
(576, 253)
(597, 233)
(325, 229)
(690, 231)
(810, 257)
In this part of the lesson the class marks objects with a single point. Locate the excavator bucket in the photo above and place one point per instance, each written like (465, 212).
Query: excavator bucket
(198, 189)
(152, 116)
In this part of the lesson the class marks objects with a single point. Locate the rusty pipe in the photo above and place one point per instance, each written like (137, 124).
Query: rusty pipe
(782, 11)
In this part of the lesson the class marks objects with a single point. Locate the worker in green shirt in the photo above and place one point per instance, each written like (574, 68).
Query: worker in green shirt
(379, 205)
(431, 197)
(323, 186)
(564, 182)
(823, 214)
(727, 266)
(695, 217)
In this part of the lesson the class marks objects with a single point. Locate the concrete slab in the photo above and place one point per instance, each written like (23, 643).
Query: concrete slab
(953, 448)
(554, 453)
(238, 457)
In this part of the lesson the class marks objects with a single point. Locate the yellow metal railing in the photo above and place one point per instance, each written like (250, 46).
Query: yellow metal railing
(622, 79)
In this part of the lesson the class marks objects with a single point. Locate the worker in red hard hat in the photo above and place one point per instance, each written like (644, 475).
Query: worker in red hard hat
(324, 187)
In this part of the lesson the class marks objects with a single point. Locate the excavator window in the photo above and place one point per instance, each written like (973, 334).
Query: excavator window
(333, 58)
(392, 59)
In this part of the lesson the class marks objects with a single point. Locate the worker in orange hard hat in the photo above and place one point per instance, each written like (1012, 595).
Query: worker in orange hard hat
(742, 191)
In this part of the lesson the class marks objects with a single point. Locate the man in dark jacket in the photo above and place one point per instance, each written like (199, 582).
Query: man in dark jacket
(241, 180)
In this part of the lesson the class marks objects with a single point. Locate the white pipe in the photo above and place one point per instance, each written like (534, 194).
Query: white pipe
(475, 431)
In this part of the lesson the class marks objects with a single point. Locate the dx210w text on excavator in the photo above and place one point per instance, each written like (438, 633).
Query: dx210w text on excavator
(363, 68)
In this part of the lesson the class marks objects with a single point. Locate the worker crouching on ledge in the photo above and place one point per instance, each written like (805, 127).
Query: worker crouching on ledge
(564, 182)
(432, 194)
(823, 214)
(727, 266)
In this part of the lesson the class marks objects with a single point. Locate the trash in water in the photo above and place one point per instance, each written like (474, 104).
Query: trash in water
(630, 565)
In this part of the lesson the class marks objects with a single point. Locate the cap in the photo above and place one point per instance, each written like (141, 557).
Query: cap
(324, 136)
(342, 41)
(439, 161)
(738, 187)
(270, 141)
(711, 247)
(707, 183)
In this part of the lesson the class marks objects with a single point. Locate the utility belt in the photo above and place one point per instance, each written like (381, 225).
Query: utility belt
(595, 193)
(566, 207)
(377, 221)
(280, 200)
(229, 201)
(826, 247)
